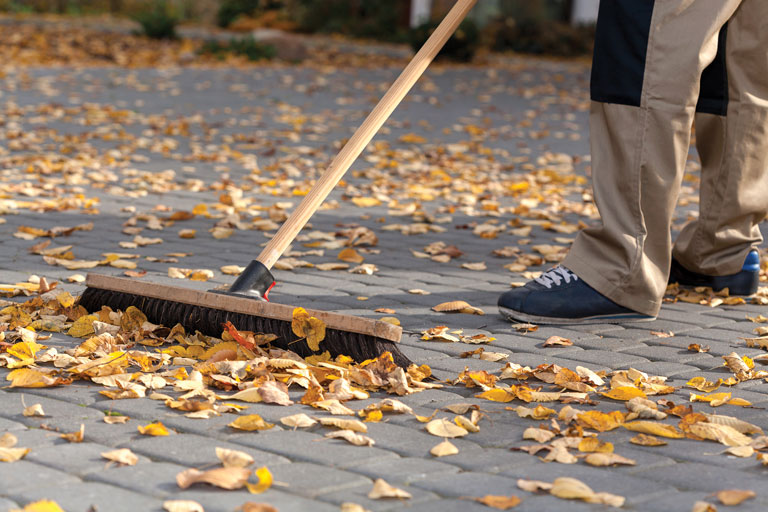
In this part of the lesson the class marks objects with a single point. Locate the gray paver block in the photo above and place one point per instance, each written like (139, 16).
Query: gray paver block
(406, 469)
(194, 451)
(78, 459)
(410, 442)
(157, 479)
(312, 480)
(694, 476)
(26, 475)
(81, 497)
(310, 447)
(216, 500)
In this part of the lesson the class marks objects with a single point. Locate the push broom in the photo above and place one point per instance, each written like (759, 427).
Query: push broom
(245, 303)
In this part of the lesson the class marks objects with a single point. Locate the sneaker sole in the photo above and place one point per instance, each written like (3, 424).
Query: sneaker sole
(621, 318)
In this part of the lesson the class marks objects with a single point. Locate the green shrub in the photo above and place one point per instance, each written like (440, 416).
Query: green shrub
(246, 46)
(460, 47)
(157, 21)
(373, 19)
(230, 10)
(543, 37)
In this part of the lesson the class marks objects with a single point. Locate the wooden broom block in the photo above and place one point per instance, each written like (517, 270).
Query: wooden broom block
(243, 305)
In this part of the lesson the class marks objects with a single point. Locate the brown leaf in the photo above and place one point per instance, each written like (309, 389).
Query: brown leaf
(351, 437)
(555, 341)
(607, 459)
(732, 497)
(499, 502)
(444, 449)
(233, 458)
(381, 489)
(225, 478)
(182, 506)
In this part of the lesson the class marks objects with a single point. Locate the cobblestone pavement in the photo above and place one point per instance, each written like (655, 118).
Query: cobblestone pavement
(524, 113)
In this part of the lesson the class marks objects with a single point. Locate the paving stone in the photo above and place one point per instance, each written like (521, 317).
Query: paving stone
(683, 502)
(309, 447)
(408, 442)
(449, 506)
(6, 504)
(157, 479)
(605, 358)
(404, 470)
(216, 500)
(694, 476)
(82, 497)
(312, 480)
(636, 488)
(195, 451)
(457, 485)
(79, 459)
(28, 475)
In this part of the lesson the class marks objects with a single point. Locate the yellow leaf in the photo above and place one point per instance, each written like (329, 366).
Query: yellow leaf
(42, 506)
(265, 481)
(25, 349)
(497, 395)
(373, 416)
(607, 459)
(83, 326)
(251, 422)
(702, 384)
(601, 421)
(624, 393)
(29, 378)
(132, 319)
(153, 429)
(365, 202)
(655, 429)
(65, 299)
(717, 398)
(12, 454)
(344, 424)
(593, 444)
(309, 327)
(646, 440)
(739, 401)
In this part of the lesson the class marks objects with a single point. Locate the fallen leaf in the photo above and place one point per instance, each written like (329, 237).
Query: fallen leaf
(533, 485)
(381, 489)
(153, 429)
(265, 480)
(33, 410)
(647, 440)
(444, 428)
(351, 437)
(225, 478)
(250, 423)
(300, 420)
(444, 449)
(252, 506)
(9, 454)
(121, 456)
(733, 497)
(499, 502)
(608, 459)
(76, 436)
(233, 458)
(182, 506)
(457, 306)
(557, 341)
(652, 428)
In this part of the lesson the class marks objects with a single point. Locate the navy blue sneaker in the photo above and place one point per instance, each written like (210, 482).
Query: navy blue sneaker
(558, 296)
(744, 282)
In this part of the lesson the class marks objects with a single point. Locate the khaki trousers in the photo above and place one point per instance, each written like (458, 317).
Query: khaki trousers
(640, 142)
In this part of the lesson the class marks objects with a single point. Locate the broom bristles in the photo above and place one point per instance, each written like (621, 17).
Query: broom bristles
(209, 322)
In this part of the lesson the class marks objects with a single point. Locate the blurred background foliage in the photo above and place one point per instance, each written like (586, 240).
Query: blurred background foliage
(526, 26)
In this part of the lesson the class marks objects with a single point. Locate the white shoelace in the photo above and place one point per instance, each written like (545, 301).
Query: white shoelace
(555, 275)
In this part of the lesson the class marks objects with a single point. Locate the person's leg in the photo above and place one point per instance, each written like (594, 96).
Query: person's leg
(649, 57)
(734, 155)
(639, 148)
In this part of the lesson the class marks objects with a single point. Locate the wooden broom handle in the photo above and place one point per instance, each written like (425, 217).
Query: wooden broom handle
(352, 149)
